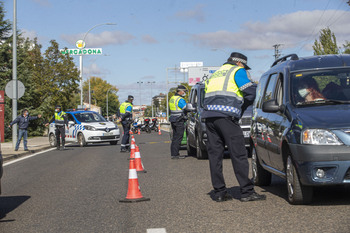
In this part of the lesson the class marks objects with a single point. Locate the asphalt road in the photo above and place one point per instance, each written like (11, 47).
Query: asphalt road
(78, 190)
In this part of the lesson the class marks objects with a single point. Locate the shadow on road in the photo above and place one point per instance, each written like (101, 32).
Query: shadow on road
(328, 195)
(8, 204)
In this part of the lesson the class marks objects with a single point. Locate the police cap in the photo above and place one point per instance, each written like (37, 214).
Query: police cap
(58, 106)
(130, 97)
(181, 88)
(238, 57)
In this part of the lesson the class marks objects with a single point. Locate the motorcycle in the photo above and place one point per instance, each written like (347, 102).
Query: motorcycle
(145, 127)
(154, 125)
(136, 126)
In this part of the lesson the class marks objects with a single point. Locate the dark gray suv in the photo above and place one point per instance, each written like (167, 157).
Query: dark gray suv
(301, 124)
(195, 127)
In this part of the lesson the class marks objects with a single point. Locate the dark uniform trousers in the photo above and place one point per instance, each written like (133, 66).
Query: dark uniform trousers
(223, 131)
(126, 136)
(60, 132)
(178, 133)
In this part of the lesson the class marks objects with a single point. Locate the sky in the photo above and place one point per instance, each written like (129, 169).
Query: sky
(149, 37)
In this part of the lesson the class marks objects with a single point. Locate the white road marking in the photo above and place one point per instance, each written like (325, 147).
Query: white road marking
(156, 230)
(27, 157)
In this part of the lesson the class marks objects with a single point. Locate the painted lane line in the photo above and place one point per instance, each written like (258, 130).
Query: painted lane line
(156, 230)
(27, 157)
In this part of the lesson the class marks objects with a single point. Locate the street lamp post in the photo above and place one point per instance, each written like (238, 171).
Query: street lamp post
(152, 96)
(140, 90)
(14, 73)
(107, 101)
(81, 61)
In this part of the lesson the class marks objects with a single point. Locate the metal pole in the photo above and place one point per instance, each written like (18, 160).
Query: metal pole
(167, 95)
(89, 94)
(151, 100)
(107, 102)
(14, 73)
(81, 80)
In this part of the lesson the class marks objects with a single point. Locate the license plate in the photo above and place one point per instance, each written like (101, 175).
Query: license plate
(246, 134)
(107, 134)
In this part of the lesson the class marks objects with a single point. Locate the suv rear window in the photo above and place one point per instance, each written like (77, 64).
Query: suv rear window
(320, 87)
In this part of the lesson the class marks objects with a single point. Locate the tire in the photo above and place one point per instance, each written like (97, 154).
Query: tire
(81, 140)
(155, 129)
(261, 177)
(134, 131)
(52, 140)
(297, 193)
(113, 142)
(148, 130)
(190, 150)
(201, 153)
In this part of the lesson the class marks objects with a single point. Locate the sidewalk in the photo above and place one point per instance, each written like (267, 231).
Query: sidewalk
(35, 144)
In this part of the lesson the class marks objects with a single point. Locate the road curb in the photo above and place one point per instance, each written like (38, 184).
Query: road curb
(8, 157)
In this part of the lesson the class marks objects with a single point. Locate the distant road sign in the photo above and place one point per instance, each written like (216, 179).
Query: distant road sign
(184, 65)
(9, 89)
(197, 74)
(86, 51)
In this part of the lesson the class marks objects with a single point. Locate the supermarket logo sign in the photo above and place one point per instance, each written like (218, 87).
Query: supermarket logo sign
(86, 51)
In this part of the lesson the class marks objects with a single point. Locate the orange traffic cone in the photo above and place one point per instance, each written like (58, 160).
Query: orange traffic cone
(139, 132)
(134, 192)
(133, 141)
(138, 162)
(159, 133)
(132, 150)
(130, 132)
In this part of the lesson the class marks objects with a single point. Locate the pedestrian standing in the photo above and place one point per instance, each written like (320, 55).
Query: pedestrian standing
(228, 93)
(23, 122)
(61, 121)
(125, 110)
(177, 118)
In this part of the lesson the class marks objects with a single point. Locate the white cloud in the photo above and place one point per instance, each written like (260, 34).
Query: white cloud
(196, 14)
(149, 39)
(94, 70)
(101, 39)
(30, 34)
(292, 30)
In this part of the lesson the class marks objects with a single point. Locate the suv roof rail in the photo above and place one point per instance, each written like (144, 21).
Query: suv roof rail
(292, 56)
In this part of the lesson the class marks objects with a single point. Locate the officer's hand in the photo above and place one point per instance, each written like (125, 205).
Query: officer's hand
(9, 126)
(46, 124)
(39, 116)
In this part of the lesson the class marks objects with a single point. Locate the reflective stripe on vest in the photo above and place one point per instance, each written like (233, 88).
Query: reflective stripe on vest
(124, 106)
(59, 120)
(174, 105)
(222, 93)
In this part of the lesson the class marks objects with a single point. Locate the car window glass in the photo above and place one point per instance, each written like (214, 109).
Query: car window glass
(194, 101)
(320, 87)
(70, 117)
(259, 92)
(202, 95)
(269, 92)
(279, 90)
(89, 117)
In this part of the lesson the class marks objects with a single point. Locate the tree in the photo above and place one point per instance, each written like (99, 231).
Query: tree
(99, 88)
(347, 47)
(327, 43)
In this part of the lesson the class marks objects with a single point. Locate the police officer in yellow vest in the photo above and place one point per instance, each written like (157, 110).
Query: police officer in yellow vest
(177, 105)
(60, 118)
(228, 92)
(125, 110)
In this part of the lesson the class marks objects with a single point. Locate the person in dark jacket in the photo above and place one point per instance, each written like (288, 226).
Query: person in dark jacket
(23, 122)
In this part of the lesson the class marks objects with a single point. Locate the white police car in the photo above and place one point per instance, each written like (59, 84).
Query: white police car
(87, 127)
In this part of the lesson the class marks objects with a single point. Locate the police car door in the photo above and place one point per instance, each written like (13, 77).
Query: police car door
(70, 131)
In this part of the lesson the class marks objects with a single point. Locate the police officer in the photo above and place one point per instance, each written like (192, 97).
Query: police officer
(126, 119)
(177, 118)
(228, 93)
(61, 119)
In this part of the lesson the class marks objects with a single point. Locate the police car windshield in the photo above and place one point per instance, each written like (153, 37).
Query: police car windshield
(89, 117)
(321, 87)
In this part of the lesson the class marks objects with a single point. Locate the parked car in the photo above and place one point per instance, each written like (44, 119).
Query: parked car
(196, 129)
(87, 127)
(301, 127)
(1, 161)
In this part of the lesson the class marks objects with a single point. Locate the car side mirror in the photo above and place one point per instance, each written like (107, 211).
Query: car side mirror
(190, 108)
(271, 106)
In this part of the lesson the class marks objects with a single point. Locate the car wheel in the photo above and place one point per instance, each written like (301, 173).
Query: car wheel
(190, 150)
(201, 153)
(297, 193)
(81, 140)
(52, 140)
(261, 177)
(113, 142)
